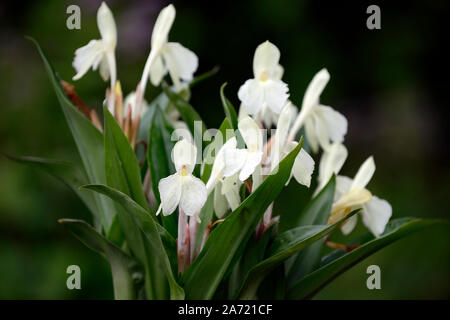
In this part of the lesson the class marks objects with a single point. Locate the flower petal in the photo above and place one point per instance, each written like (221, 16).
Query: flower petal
(376, 214)
(349, 225)
(251, 94)
(157, 71)
(107, 26)
(335, 122)
(219, 164)
(86, 57)
(220, 202)
(252, 161)
(303, 168)
(193, 195)
(184, 154)
(314, 90)
(331, 162)
(310, 131)
(343, 185)
(104, 68)
(275, 94)
(266, 60)
(162, 27)
(181, 59)
(251, 133)
(170, 192)
(234, 161)
(364, 174)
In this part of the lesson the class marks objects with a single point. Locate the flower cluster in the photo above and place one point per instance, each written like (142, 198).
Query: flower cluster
(247, 158)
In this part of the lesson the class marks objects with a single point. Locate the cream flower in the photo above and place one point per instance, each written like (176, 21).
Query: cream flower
(245, 161)
(303, 165)
(130, 102)
(168, 57)
(226, 195)
(322, 123)
(182, 188)
(331, 162)
(265, 90)
(351, 194)
(99, 52)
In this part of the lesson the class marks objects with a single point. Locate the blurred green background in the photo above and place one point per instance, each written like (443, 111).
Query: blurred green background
(389, 83)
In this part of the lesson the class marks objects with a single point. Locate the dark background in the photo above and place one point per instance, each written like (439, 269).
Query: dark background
(391, 84)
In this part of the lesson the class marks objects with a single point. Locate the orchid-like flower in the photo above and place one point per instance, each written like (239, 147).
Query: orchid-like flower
(219, 165)
(226, 195)
(352, 194)
(130, 102)
(322, 123)
(303, 165)
(245, 161)
(99, 52)
(182, 188)
(168, 57)
(265, 90)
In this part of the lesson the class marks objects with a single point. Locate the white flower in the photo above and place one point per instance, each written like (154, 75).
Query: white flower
(99, 52)
(351, 194)
(266, 89)
(322, 123)
(331, 162)
(245, 161)
(218, 168)
(303, 165)
(226, 195)
(168, 57)
(182, 188)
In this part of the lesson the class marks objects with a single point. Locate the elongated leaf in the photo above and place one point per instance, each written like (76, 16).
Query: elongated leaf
(227, 242)
(160, 162)
(283, 247)
(315, 213)
(121, 264)
(154, 233)
(254, 253)
(88, 139)
(396, 229)
(67, 173)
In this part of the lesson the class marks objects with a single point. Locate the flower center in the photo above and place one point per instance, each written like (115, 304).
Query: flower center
(184, 171)
(264, 76)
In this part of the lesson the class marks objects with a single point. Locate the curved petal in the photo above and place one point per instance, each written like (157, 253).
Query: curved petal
(314, 90)
(104, 68)
(251, 133)
(220, 202)
(349, 225)
(234, 161)
(251, 94)
(376, 214)
(219, 164)
(252, 161)
(170, 193)
(157, 71)
(184, 154)
(181, 59)
(303, 168)
(162, 27)
(193, 195)
(275, 94)
(331, 162)
(364, 173)
(130, 102)
(107, 26)
(311, 135)
(86, 57)
(343, 185)
(283, 124)
(335, 122)
(266, 60)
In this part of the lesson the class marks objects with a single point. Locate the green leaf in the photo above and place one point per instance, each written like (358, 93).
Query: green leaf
(121, 164)
(89, 141)
(67, 173)
(121, 264)
(227, 242)
(315, 213)
(155, 234)
(254, 253)
(396, 229)
(160, 162)
(283, 247)
(231, 115)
